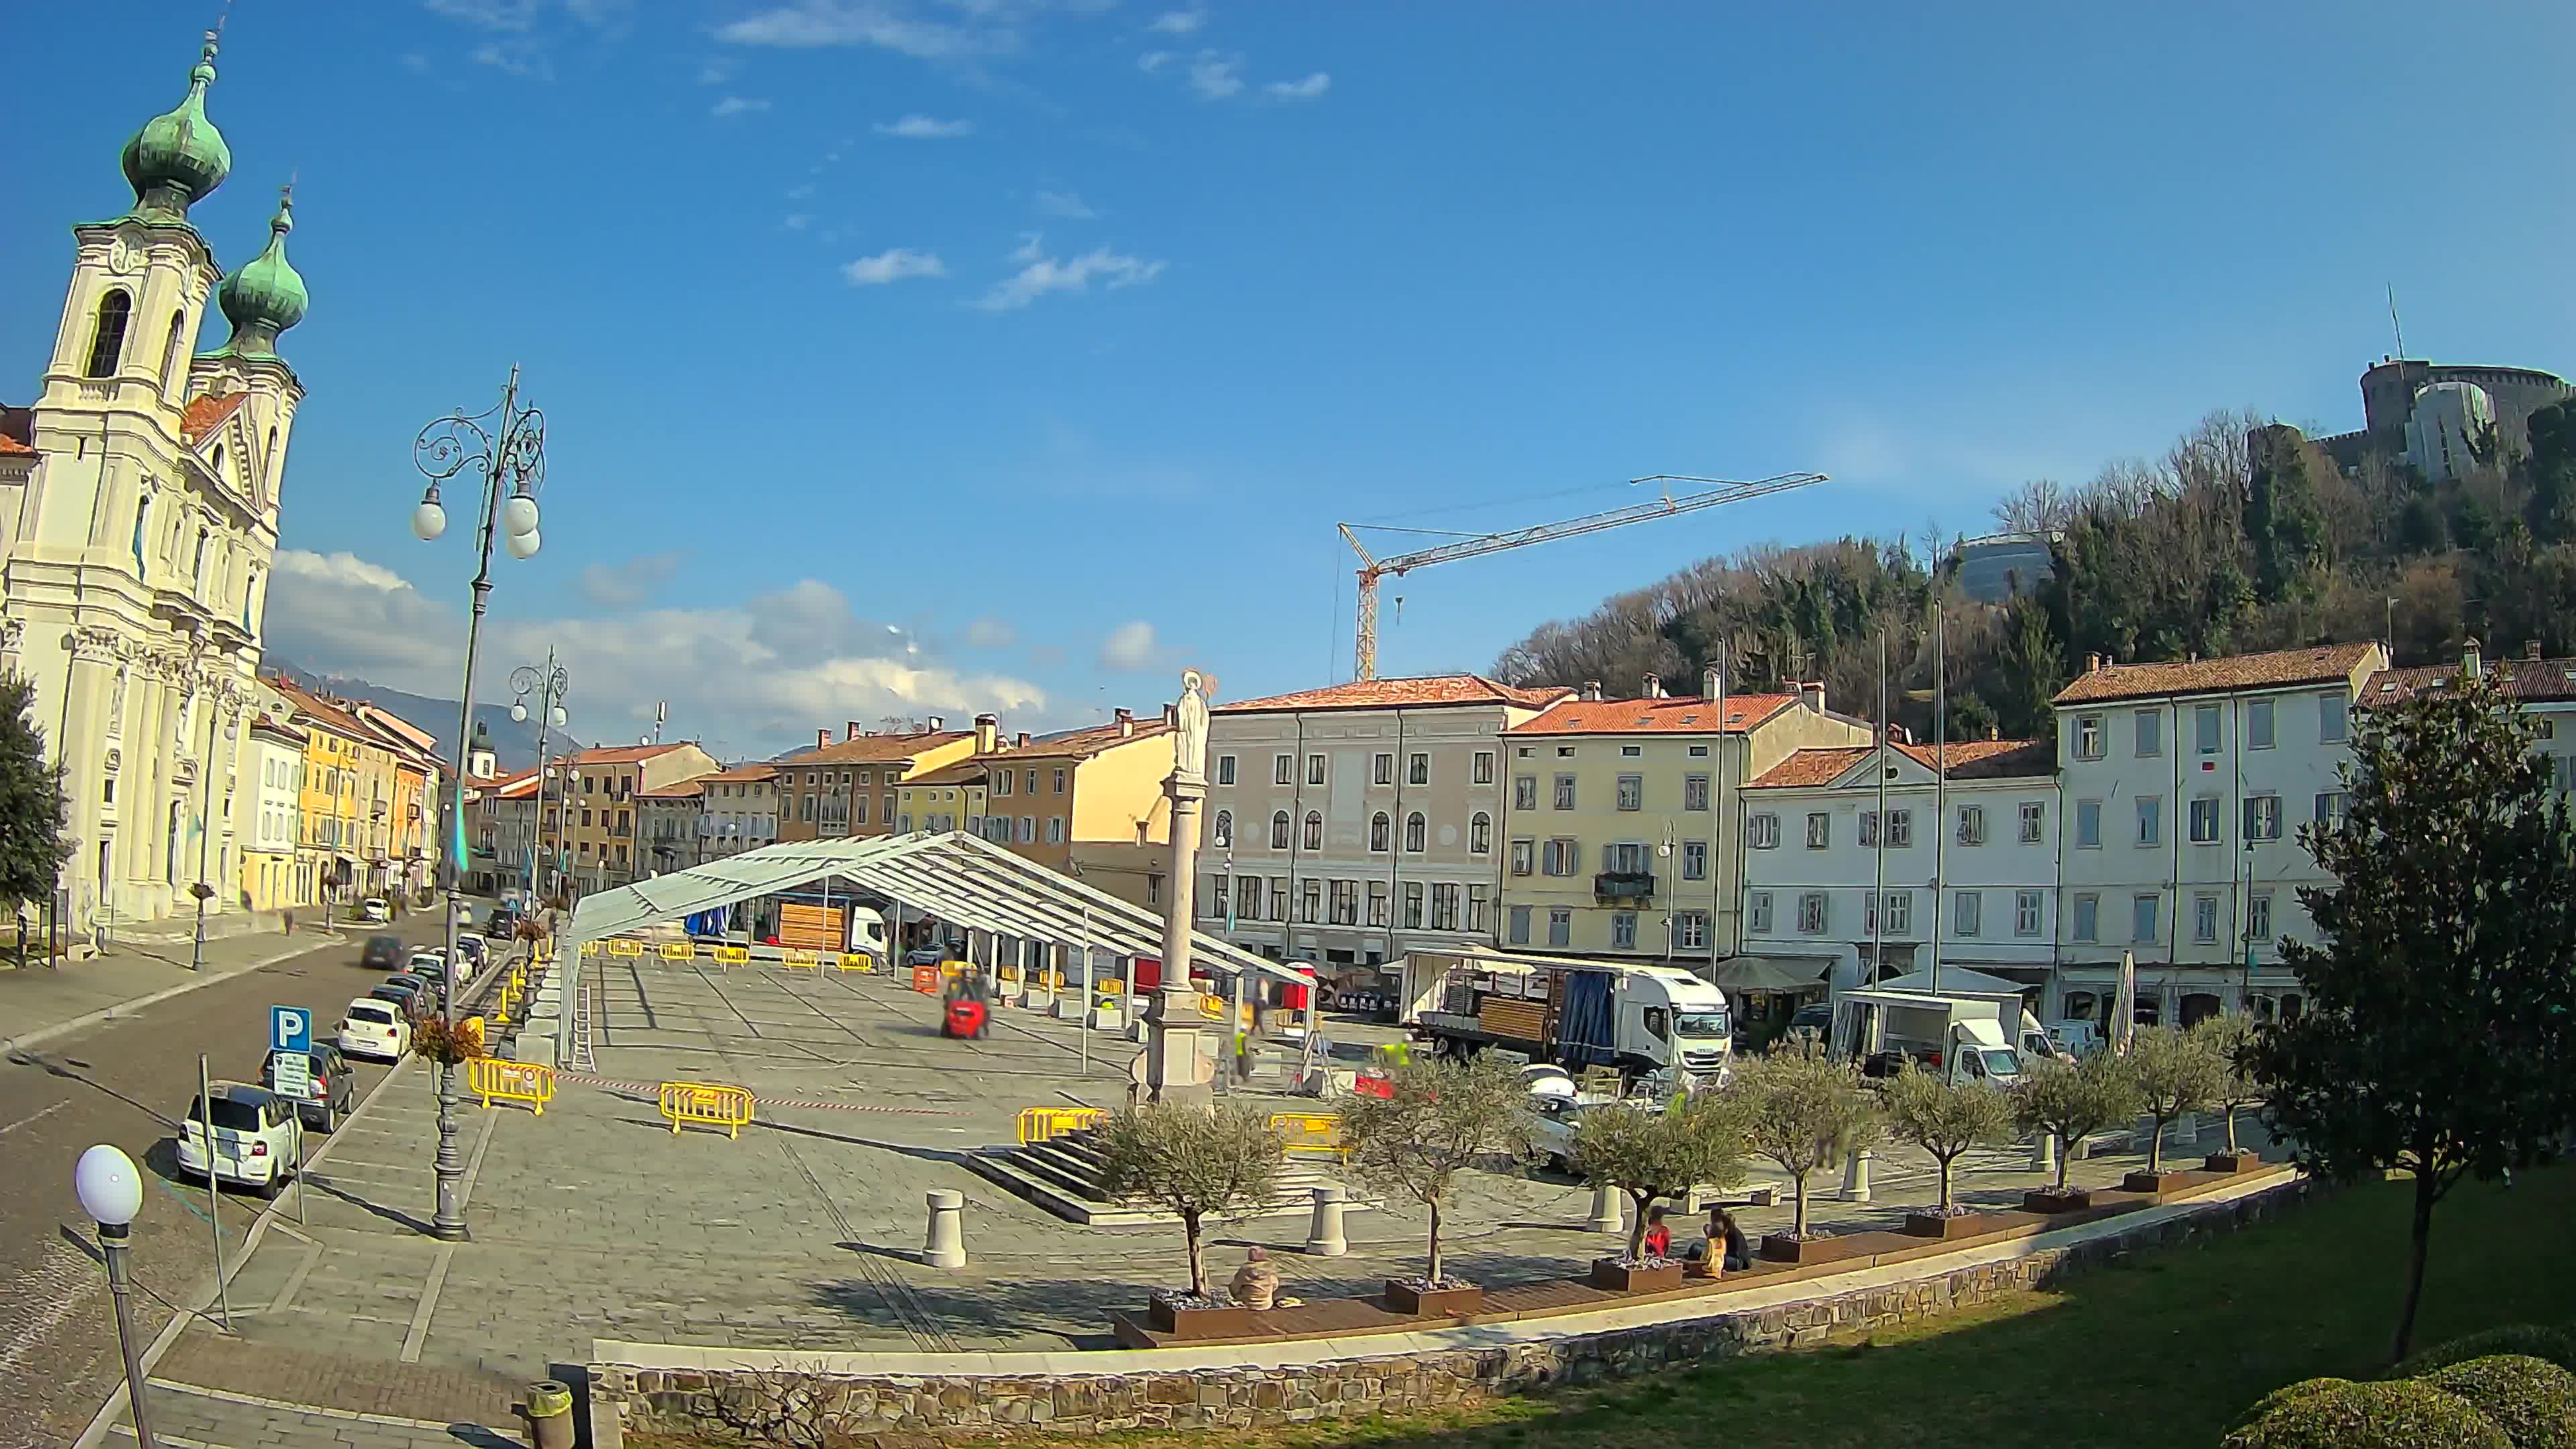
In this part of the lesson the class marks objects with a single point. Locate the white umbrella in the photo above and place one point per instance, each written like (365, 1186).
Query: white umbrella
(2125, 1011)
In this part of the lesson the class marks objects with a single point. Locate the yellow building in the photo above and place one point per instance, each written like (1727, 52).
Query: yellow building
(1619, 815)
(355, 830)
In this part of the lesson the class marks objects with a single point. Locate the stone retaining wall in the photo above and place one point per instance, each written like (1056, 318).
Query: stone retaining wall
(797, 1404)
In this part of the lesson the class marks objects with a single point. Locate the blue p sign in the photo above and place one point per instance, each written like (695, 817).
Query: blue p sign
(290, 1029)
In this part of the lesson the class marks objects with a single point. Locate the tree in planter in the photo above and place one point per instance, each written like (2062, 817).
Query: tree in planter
(1194, 1162)
(2436, 1042)
(1945, 1118)
(1439, 1117)
(1648, 1152)
(1805, 1111)
(32, 845)
(2175, 1072)
(2072, 1102)
(2231, 1039)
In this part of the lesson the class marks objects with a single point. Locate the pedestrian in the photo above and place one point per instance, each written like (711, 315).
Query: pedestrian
(290, 921)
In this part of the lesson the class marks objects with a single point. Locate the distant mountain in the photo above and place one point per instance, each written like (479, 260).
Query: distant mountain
(513, 742)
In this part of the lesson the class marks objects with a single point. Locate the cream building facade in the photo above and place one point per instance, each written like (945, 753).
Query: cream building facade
(141, 512)
(273, 759)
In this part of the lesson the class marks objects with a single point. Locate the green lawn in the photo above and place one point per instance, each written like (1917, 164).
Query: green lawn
(2164, 1351)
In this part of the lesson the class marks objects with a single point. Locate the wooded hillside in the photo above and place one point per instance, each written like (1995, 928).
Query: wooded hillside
(2242, 537)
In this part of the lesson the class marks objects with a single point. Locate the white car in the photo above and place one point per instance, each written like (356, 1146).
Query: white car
(255, 1133)
(375, 911)
(374, 1027)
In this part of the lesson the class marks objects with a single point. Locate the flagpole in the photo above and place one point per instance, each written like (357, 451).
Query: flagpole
(1940, 776)
(1878, 901)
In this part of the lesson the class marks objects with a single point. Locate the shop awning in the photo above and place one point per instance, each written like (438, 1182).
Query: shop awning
(1771, 973)
(1955, 980)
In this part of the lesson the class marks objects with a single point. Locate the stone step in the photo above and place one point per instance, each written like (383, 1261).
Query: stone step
(1010, 1172)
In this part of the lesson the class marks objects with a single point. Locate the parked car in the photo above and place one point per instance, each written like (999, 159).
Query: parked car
(375, 1027)
(472, 951)
(381, 953)
(255, 1133)
(375, 911)
(1816, 1017)
(416, 997)
(2075, 1040)
(501, 924)
(333, 1089)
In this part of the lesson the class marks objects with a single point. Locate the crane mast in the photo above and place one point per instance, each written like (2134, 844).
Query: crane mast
(1372, 568)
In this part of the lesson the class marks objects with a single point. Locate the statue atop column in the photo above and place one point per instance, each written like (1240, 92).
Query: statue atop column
(1189, 742)
(1173, 1061)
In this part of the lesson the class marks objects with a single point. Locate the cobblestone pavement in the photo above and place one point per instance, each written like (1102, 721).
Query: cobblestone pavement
(595, 1221)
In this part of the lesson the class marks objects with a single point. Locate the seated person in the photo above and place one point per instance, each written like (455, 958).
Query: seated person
(1727, 1240)
(1256, 1283)
(1659, 1238)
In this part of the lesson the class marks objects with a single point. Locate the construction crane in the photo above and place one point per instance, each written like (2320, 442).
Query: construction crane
(1471, 545)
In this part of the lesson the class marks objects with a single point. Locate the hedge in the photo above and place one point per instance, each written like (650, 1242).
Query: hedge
(2532, 1400)
(2395, 1414)
(2530, 1340)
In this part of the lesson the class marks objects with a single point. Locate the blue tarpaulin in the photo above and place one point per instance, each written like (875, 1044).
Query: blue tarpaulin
(708, 923)
(1586, 1034)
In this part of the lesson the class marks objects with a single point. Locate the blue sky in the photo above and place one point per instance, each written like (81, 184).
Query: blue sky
(1059, 335)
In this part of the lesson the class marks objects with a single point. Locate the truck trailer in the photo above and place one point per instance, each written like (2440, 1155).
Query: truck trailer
(1966, 1036)
(1641, 1018)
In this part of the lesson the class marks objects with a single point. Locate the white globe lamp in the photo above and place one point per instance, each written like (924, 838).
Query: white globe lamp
(519, 515)
(111, 1190)
(429, 520)
(523, 545)
(519, 713)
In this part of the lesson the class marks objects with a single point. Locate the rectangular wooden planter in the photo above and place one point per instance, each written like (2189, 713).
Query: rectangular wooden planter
(1781, 1248)
(2172, 1179)
(1433, 1303)
(2241, 1160)
(1610, 1275)
(2073, 1200)
(1228, 1322)
(1961, 1225)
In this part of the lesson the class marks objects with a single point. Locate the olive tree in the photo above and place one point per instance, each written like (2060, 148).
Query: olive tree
(1439, 1117)
(1651, 1152)
(2231, 1038)
(1805, 1111)
(2072, 1102)
(2175, 1072)
(1943, 1117)
(1194, 1162)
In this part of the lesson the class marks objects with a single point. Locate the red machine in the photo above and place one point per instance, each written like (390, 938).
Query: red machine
(964, 1018)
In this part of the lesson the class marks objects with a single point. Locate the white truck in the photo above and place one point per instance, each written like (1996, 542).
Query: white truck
(1642, 1019)
(1966, 1036)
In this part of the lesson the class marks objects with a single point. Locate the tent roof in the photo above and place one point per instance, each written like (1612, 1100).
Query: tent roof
(1955, 981)
(1771, 973)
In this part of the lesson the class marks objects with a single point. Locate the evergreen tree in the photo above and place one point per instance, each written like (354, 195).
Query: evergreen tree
(2436, 1039)
(2282, 516)
(2552, 471)
(32, 845)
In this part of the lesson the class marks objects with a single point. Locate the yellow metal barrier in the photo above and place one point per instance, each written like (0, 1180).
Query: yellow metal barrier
(951, 970)
(857, 961)
(1312, 1132)
(679, 950)
(491, 1078)
(1041, 1124)
(588, 948)
(793, 957)
(709, 1103)
(732, 955)
(625, 948)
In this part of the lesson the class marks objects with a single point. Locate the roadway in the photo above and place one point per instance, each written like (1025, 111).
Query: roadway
(58, 1354)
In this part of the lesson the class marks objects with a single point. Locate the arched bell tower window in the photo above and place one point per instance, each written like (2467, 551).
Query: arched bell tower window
(107, 341)
(170, 351)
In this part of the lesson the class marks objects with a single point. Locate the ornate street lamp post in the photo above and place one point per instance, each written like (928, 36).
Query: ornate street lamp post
(548, 684)
(507, 446)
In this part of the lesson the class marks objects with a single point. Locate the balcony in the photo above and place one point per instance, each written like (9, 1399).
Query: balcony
(1623, 885)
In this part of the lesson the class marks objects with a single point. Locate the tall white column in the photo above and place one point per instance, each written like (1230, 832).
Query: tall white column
(1172, 1060)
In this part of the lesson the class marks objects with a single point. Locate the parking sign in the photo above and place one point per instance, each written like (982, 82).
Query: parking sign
(290, 1029)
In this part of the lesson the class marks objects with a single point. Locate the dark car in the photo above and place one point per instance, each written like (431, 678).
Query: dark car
(501, 923)
(381, 953)
(406, 992)
(333, 1091)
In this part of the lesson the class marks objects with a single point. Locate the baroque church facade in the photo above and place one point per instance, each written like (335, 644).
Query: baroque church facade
(140, 501)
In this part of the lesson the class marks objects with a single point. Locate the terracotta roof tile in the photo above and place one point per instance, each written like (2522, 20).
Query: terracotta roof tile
(752, 774)
(2527, 680)
(1671, 715)
(683, 790)
(1969, 760)
(968, 771)
(1427, 690)
(17, 432)
(2317, 665)
(206, 412)
(626, 754)
(1075, 745)
(876, 749)
(11, 446)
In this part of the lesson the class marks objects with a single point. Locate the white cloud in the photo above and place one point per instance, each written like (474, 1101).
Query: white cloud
(1178, 22)
(1066, 204)
(990, 634)
(736, 105)
(1040, 274)
(760, 675)
(893, 266)
(1129, 647)
(516, 57)
(510, 15)
(1154, 60)
(799, 193)
(918, 127)
(799, 220)
(1215, 77)
(624, 585)
(807, 24)
(716, 70)
(1304, 90)
(1032, 247)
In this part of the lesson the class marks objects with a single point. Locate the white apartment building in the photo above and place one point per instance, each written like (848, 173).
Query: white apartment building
(1352, 824)
(1832, 885)
(740, 811)
(2184, 785)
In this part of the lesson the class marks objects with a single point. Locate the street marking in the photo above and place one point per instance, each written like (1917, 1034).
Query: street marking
(38, 1117)
(474, 1164)
(428, 1303)
(161, 1438)
(295, 1280)
(395, 1421)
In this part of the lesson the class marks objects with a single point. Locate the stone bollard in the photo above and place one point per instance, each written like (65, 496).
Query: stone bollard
(1856, 1176)
(1324, 1234)
(550, 1414)
(1608, 1215)
(2043, 1152)
(945, 1247)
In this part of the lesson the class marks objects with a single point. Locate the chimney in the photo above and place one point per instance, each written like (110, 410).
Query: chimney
(822, 738)
(1711, 680)
(1654, 685)
(2531, 649)
(988, 733)
(2092, 663)
(2471, 661)
(1126, 722)
(1172, 716)
(1814, 695)
(853, 727)
(935, 723)
(1023, 740)
(1592, 690)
